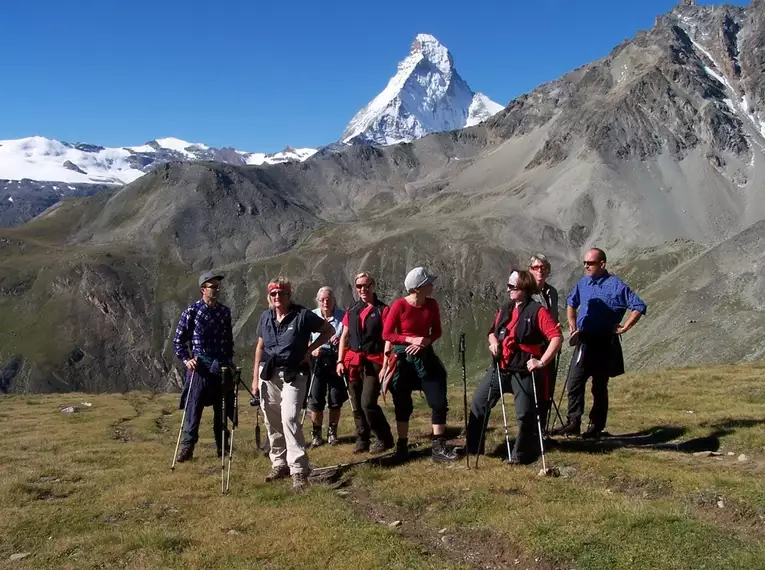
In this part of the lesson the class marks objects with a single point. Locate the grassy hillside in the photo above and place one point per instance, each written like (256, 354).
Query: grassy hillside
(93, 489)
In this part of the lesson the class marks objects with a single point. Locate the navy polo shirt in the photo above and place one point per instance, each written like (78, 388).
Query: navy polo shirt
(287, 341)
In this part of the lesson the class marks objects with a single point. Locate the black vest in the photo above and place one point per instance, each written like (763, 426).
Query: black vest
(368, 341)
(526, 331)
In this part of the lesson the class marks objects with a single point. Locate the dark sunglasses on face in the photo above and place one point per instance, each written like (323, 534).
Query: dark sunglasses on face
(274, 294)
(512, 287)
(590, 263)
(537, 267)
(361, 286)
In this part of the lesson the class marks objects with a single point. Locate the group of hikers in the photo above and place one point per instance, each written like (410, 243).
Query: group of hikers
(328, 356)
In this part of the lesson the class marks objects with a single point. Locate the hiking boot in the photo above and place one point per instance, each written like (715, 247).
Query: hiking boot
(227, 447)
(281, 472)
(362, 446)
(299, 482)
(316, 440)
(402, 449)
(571, 428)
(185, 454)
(592, 432)
(441, 453)
(381, 446)
(332, 435)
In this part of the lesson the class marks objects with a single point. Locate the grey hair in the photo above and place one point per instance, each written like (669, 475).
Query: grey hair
(542, 258)
(325, 289)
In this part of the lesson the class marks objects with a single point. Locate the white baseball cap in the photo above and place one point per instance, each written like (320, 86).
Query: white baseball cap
(418, 277)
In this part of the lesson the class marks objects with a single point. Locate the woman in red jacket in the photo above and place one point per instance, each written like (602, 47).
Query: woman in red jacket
(412, 326)
(523, 341)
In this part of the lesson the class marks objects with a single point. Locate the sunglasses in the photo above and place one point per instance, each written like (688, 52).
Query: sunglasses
(274, 294)
(590, 263)
(537, 267)
(360, 286)
(512, 288)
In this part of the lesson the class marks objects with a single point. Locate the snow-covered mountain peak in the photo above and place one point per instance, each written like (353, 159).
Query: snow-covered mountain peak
(426, 95)
(428, 47)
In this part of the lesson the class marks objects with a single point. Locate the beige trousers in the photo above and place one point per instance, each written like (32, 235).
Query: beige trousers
(281, 403)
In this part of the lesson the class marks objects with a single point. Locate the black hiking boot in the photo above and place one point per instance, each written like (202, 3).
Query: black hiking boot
(362, 446)
(332, 435)
(185, 454)
(571, 428)
(316, 440)
(441, 453)
(402, 449)
(382, 445)
(592, 432)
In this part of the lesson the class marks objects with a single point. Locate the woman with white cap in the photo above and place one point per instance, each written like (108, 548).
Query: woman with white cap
(412, 326)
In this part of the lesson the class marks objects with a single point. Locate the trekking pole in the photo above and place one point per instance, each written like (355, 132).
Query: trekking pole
(183, 419)
(348, 389)
(308, 394)
(565, 383)
(223, 424)
(539, 426)
(464, 396)
(555, 406)
(484, 425)
(504, 413)
(234, 424)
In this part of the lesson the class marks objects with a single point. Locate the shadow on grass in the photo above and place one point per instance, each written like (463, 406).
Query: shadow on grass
(659, 438)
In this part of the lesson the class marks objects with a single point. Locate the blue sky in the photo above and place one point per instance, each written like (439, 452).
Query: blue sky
(259, 75)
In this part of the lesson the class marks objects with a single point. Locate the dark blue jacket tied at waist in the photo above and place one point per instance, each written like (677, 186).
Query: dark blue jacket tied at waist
(205, 389)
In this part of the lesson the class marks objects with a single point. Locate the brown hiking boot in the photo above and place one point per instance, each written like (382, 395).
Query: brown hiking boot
(299, 482)
(281, 472)
(185, 454)
(362, 446)
(571, 428)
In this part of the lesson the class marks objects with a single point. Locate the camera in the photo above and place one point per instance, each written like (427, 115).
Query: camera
(255, 402)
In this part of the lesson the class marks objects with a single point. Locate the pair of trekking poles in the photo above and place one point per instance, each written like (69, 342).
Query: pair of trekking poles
(504, 411)
(230, 382)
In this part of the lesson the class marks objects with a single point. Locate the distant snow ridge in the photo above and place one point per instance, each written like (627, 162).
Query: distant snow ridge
(42, 159)
(426, 95)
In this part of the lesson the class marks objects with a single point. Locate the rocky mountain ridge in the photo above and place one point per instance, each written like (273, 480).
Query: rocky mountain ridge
(638, 153)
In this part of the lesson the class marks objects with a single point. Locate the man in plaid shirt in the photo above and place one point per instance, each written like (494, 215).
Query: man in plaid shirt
(206, 326)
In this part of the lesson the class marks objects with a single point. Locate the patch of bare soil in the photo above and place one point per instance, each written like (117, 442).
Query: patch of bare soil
(476, 549)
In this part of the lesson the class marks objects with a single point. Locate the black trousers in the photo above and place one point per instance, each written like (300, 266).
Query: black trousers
(369, 417)
(588, 362)
(486, 397)
(326, 386)
(435, 394)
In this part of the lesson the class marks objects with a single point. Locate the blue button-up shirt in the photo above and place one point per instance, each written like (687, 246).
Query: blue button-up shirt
(601, 303)
(208, 329)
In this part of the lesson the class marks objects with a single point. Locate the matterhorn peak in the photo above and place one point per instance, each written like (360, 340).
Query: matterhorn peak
(426, 95)
(430, 48)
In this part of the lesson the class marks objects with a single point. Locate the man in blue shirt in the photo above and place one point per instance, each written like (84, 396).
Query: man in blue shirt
(595, 310)
(206, 326)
